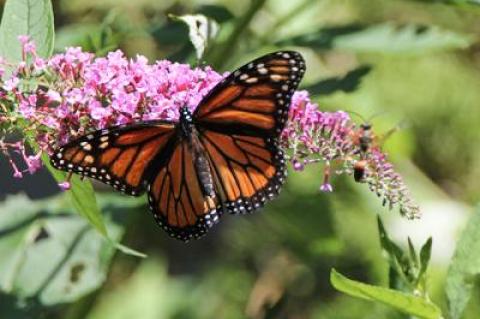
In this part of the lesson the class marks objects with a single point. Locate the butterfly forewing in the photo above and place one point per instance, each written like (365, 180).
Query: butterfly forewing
(255, 98)
(119, 156)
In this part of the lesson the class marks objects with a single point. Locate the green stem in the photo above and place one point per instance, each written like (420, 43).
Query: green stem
(267, 36)
(220, 56)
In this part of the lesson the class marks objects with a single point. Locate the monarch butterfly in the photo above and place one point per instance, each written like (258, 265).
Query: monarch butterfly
(222, 158)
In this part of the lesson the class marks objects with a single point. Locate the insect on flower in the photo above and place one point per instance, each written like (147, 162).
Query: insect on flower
(368, 146)
(222, 158)
(363, 139)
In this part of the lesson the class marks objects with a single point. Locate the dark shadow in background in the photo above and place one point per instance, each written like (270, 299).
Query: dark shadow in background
(36, 186)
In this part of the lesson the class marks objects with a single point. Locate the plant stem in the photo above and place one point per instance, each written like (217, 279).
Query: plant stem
(219, 57)
(267, 36)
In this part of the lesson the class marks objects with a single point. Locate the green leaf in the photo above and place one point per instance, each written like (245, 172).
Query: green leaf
(425, 254)
(395, 253)
(49, 255)
(202, 31)
(406, 303)
(383, 38)
(410, 38)
(171, 33)
(322, 39)
(216, 12)
(348, 83)
(26, 17)
(82, 197)
(413, 253)
(400, 270)
(465, 267)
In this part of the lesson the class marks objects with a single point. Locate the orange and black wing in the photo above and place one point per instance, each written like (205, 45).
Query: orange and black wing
(176, 198)
(239, 124)
(119, 156)
(254, 99)
(248, 170)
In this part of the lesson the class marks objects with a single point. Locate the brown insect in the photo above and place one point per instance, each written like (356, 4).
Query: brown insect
(366, 140)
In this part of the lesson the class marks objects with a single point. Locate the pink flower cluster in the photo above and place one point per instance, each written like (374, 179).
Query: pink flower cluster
(86, 93)
(334, 139)
(73, 93)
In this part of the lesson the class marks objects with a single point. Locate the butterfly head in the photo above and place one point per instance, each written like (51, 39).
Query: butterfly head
(185, 114)
(186, 120)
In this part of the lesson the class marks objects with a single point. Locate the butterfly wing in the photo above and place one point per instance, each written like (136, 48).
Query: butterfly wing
(119, 156)
(176, 197)
(255, 98)
(249, 170)
(239, 123)
(146, 154)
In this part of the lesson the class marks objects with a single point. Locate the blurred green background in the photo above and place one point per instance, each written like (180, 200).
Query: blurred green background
(414, 65)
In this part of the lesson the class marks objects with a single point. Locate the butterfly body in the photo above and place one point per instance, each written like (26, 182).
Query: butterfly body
(222, 158)
(200, 161)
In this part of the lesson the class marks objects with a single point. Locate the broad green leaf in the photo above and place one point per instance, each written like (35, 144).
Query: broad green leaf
(50, 255)
(322, 39)
(171, 33)
(82, 197)
(464, 270)
(202, 31)
(391, 38)
(348, 83)
(75, 34)
(99, 39)
(406, 303)
(217, 12)
(26, 17)
(383, 38)
(16, 215)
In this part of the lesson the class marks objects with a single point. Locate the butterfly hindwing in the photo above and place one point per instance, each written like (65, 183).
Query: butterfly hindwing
(119, 156)
(176, 198)
(249, 170)
(255, 98)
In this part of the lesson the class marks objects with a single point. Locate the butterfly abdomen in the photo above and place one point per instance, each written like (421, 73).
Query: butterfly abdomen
(204, 174)
(200, 161)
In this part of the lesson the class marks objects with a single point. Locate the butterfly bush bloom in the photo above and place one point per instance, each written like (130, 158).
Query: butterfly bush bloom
(333, 138)
(72, 93)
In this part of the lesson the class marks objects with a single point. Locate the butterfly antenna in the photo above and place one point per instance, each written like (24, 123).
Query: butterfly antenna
(403, 124)
(374, 115)
(370, 118)
(360, 116)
